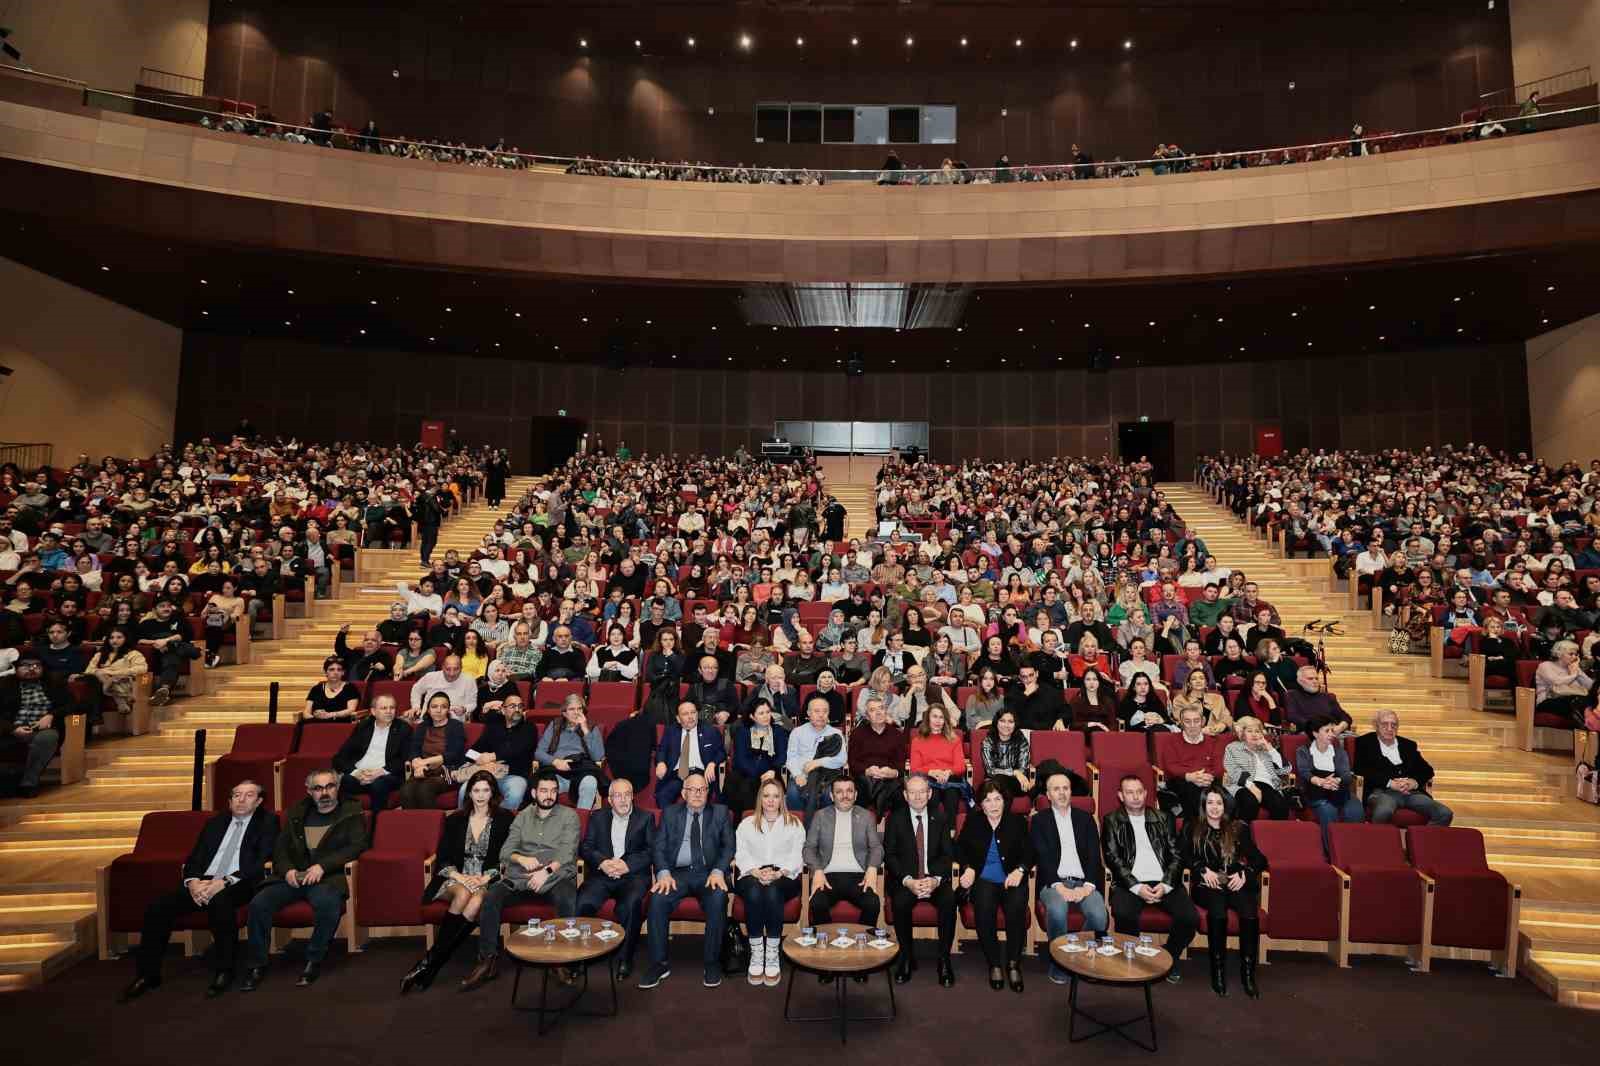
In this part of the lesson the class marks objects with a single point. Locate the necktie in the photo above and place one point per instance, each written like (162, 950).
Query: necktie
(227, 854)
(922, 850)
(683, 756)
(697, 855)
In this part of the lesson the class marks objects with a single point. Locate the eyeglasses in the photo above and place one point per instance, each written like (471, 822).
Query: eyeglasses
(323, 788)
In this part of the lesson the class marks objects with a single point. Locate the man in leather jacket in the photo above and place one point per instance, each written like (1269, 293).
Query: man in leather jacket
(1142, 857)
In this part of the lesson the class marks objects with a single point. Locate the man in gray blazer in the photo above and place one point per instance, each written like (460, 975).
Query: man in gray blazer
(843, 851)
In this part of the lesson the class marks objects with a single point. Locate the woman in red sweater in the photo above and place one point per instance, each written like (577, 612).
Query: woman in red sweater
(937, 750)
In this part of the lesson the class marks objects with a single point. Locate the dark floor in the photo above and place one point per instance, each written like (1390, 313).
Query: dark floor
(1310, 1013)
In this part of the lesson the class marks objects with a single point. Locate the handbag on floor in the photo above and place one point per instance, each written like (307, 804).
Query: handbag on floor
(1399, 641)
(1588, 783)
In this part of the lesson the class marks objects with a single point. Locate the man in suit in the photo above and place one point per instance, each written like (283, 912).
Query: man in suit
(373, 758)
(539, 858)
(843, 852)
(693, 857)
(320, 835)
(1141, 851)
(1394, 774)
(222, 872)
(1070, 874)
(616, 852)
(687, 747)
(917, 855)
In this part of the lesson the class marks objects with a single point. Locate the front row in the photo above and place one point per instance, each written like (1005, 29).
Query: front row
(487, 858)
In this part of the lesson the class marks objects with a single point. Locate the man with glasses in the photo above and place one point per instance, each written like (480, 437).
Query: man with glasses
(693, 857)
(321, 834)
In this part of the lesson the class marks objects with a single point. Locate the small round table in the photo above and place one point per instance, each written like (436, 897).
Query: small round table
(547, 955)
(1115, 970)
(840, 964)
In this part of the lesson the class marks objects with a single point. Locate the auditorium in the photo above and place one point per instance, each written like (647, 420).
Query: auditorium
(781, 522)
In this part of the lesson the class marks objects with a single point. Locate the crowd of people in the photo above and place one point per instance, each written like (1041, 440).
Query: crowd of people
(829, 687)
(1497, 554)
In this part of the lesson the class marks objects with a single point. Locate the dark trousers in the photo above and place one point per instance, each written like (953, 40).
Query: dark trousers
(1272, 804)
(763, 904)
(1246, 903)
(164, 912)
(326, 905)
(1127, 909)
(629, 892)
(987, 899)
(429, 536)
(40, 748)
(689, 881)
(379, 789)
(846, 888)
(169, 660)
(943, 900)
(563, 896)
(880, 794)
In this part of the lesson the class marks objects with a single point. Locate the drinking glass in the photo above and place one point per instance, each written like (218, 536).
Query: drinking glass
(585, 929)
(861, 940)
(1127, 950)
(808, 932)
(1146, 940)
(881, 933)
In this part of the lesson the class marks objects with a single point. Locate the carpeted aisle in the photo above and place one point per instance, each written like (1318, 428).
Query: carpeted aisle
(1310, 1014)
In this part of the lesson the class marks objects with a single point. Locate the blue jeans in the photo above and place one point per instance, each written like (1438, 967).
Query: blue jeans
(691, 881)
(513, 790)
(588, 788)
(1338, 807)
(327, 903)
(1383, 802)
(1095, 918)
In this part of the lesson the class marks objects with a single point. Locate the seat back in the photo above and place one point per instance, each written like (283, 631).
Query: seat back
(400, 690)
(1364, 845)
(323, 739)
(1119, 749)
(1288, 745)
(169, 832)
(1067, 747)
(612, 694)
(260, 738)
(1289, 843)
(551, 694)
(1440, 848)
(1526, 668)
(413, 832)
(1109, 799)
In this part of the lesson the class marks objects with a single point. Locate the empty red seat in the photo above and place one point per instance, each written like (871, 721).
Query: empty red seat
(1475, 907)
(318, 744)
(153, 868)
(257, 749)
(1386, 899)
(1301, 892)
(388, 891)
(1119, 749)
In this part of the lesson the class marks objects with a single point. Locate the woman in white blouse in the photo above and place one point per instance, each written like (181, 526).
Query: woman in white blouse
(616, 661)
(767, 853)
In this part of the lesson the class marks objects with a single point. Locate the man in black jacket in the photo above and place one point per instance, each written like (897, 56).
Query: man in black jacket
(917, 858)
(428, 516)
(1141, 851)
(714, 695)
(373, 758)
(564, 660)
(1394, 774)
(168, 633)
(1069, 876)
(620, 875)
(222, 872)
(506, 750)
(367, 663)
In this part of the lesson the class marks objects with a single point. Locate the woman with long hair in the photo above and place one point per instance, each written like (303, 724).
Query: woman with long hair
(576, 751)
(1196, 695)
(1226, 866)
(116, 666)
(474, 655)
(767, 852)
(985, 701)
(937, 751)
(1006, 758)
(1141, 709)
(467, 863)
(663, 671)
(1094, 706)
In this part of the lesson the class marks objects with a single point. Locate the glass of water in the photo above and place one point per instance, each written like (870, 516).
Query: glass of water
(881, 933)
(572, 923)
(533, 927)
(808, 932)
(861, 940)
(1127, 950)
(585, 929)
(1146, 940)
(1108, 941)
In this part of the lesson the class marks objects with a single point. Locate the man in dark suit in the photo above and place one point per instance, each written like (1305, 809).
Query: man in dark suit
(373, 758)
(917, 856)
(713, 692)
(687, 747)
(221, 874)
(693, 857)
(616, 850)
(1071, 875)
(1394, 774)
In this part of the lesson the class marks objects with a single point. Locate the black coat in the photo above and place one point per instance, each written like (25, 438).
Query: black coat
(637, 848)
(1016, 850)
(394, 750)
(451, 852)
(1375, 771)
(512, 745)
(255, 850)
(900, 846)
(1047, 847)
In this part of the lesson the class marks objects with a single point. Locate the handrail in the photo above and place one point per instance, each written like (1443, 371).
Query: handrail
(524, 159)
(189, 81)
(45, 75)
(1584, 70)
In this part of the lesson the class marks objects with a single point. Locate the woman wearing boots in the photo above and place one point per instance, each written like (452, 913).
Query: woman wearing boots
(1226, 867)
(768, 849)
(468, 862)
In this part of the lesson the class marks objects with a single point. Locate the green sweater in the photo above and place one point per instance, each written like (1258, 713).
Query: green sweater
(1202, 613)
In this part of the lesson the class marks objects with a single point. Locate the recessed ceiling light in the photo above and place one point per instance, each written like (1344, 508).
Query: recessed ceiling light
(584, 319)
(1072, 43)
(1002, 358)
(854, 41)
(1086, 325)
(1219, 320)
(1456, 300)
(1152, 322)
(744, 40)
(1382, 337)
(108, 268)
(286, 321)
(1546, 321)
(963, 42)
(449, 308)
(1308, 344)
(202, 281)
(291, 292)
(800, 42)
(714, 329)
(730, 358)
(518, 314)
(430, 340)
(1019, 329)
(1372, 307)
(496, 343)
(961, 329)
(374, 303)
(207, 313)
(785, 359)
(1461, 329)
(582, 43)
(647, 321)
(363, 332)
(1549, 288)
(1127, 44)
(1294, 314)
(1019, 42)
(909, 42)
(638, 43)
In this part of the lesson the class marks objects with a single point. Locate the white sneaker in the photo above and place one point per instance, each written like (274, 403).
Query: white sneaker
(757, 961)
(774, 960)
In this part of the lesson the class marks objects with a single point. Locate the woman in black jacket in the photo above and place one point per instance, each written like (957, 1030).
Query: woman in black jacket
(1225, 868)
(437, 749)
(995, 850)
(662, 673)
(468, 861)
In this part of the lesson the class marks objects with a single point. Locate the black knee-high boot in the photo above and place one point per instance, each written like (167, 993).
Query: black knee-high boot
(1249, 947)
(1217, 948)
(452, 931)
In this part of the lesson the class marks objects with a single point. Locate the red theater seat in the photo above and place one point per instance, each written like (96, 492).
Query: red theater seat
(1475, 908)
(1387, 905)
(256, 752)
(127, 885)
(389, 889)
(1300, 892)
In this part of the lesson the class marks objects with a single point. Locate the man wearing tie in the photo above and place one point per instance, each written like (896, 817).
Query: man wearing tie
(219, 877)
(1070, 874)
(917, 860)
(616, 852)
(693, 857)
(843, 851)
(687, 747)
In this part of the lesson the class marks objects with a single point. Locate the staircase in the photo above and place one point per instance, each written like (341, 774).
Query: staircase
(852, 479)
(51, 846)
(1537, 834)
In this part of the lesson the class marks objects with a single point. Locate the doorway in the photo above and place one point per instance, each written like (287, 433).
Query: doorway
(552, 441)
(1151, 440)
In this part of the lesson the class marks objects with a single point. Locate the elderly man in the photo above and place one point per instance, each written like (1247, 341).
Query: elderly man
(779, 693)
(1394, 774)
(714, 694)
(462, 690)
(816, 755)
(878, 751)
(520, 656)
(369, 663)
(222, 872)
(617, 849)
(564, 660)
(320, 835)
(1306, 701)
(693, 856)
(687, 748)
(918, 858)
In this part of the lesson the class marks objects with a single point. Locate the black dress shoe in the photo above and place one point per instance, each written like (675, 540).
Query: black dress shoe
(419, 976)
(219, 983)
(902, 973)
(1014, 977)
(140, 986)
(309, 975)
(947, 973)
(997, 978)
(253, 978)
(824, 978)
(624, 968)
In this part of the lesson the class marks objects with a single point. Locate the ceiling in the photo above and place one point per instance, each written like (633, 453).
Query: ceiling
(1474, 301)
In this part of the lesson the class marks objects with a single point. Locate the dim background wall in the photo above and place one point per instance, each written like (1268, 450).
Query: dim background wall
(1552, 36)
(105, 42)
(1334, 401)
(88, 375)
(1564, 391)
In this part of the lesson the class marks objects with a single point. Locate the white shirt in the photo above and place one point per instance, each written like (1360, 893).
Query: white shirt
(773, 844)
(374, 757)
(1322, 760)
(236, 827)
(1146, 869)
(691, 740)
(1391, 750)
(843, 859)
(619, 835)
(1070, 865)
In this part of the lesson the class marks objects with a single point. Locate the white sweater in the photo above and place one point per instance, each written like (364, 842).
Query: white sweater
(779, 846)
